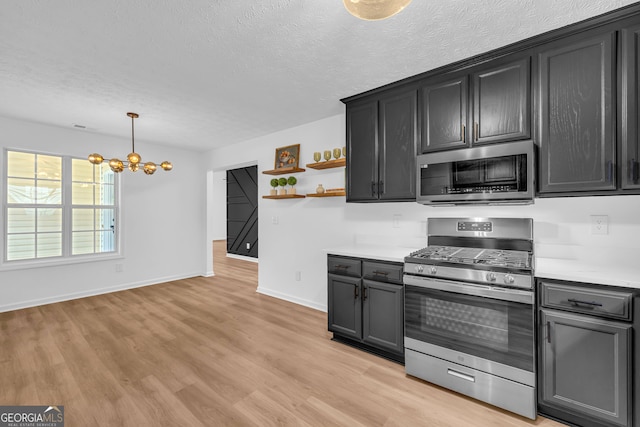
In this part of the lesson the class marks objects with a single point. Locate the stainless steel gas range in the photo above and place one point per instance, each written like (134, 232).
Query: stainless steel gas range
(469, 310)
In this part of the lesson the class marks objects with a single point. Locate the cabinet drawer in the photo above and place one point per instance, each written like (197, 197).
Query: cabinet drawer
(382, 272)
(586, 299)
(345, 266)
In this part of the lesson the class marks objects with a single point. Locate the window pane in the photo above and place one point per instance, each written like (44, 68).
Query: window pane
(82, 243)
(49, 219)
(105, 219)
(49, 244)
(21, 165)
(82, 219)
(104, 174)
(49, 167)
(81, 170)
(21, 190)
(105, 241)
(21, 220)
(105, 194)
(49, 192)
(82, 194)
(21, 246)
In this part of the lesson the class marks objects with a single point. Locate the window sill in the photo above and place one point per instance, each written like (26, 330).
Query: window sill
(29, 264)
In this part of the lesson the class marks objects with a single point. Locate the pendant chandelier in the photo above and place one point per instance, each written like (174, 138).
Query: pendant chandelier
(134, 161)
(374, 10)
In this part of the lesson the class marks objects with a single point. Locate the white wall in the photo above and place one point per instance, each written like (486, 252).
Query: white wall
(306, 226)
(218, 211)
(162, 218)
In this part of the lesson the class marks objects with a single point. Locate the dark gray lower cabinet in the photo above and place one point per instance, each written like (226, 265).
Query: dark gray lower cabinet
(344, 299)
(365, 305)
(382, 306)
(586, 366)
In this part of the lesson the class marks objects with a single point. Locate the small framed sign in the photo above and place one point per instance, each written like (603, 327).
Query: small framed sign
(287, 157)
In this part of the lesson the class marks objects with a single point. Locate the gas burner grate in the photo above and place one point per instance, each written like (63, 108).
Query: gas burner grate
(488, 257)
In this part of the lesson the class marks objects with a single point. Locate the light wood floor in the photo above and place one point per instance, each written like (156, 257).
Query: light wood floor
(209, 352)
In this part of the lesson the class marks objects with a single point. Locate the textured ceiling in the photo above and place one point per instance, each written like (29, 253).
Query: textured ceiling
(207, 73)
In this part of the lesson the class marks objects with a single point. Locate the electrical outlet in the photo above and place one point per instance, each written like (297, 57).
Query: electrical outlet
(248, 245)
(599, 224)
(119, 268)
(298, 276)
(396, 220)
(274, 220)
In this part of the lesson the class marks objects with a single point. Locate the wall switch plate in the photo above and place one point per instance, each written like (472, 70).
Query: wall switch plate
(396, 220)
(119, 268)
(298, 276)
(599, 224)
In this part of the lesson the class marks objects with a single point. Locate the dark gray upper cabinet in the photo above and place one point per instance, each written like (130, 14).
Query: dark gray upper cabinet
(576, 101)
(498, 110)
(381, 144)
(362, 151)
(502, 102)
(443, 115)
(629, 97)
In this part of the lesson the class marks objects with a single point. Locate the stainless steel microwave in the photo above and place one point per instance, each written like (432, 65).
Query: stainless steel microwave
(491, 174)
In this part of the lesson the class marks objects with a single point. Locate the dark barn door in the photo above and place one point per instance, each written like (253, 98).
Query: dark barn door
(242, 211)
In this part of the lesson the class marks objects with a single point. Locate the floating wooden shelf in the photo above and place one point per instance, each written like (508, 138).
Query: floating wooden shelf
(328, 164)
(328, 194)
(283, 171)
(285, 196)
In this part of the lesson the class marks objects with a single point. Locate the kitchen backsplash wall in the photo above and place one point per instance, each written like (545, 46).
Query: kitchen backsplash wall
(294, 233)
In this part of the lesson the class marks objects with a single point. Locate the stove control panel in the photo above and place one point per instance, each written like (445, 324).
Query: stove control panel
(484, 226)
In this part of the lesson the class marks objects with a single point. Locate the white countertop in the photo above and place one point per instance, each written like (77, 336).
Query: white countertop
(380, 252)
(626, 276)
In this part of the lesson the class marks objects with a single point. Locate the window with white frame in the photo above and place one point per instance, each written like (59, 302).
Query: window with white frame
(57, 207)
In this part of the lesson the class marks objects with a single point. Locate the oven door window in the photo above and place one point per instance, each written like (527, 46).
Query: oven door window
(496, 330)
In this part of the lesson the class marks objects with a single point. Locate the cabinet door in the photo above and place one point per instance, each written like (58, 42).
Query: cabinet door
(383, 318)
(345, 306)
(577, 117)
(362, 155)
(397, 146)
(502, 103)
(586, 365)
(443, 114)
(630, 111)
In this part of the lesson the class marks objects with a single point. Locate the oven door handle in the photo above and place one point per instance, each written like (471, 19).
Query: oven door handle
(505, 294)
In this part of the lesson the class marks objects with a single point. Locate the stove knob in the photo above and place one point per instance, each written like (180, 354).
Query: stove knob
(419, 269)
(491, 277)
(509, 279)
(433, 270)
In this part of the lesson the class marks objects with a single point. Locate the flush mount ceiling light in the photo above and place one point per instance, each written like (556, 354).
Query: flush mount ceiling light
(374, 10)
(133, 161)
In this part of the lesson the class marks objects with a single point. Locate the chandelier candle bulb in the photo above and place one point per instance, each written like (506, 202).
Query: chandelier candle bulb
(133, 159)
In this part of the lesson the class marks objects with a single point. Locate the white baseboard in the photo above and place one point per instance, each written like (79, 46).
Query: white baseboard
(242, 257)
(290, 298)
(91, 292)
